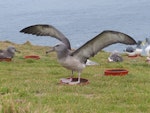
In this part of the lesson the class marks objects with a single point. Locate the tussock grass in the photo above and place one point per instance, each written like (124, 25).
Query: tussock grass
(32, 86)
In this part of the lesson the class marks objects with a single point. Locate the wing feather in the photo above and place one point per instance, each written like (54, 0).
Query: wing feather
(104, 39)
(46, 30)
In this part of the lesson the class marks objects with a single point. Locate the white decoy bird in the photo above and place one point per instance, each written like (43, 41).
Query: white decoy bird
(76, 60)
(131, 51)
(147, 49)
(8, 53)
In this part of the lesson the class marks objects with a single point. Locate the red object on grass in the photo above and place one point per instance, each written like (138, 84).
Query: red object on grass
(32, 57)
(116, 72)
(5, 59)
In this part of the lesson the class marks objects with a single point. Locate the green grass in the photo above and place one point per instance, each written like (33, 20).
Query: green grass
(32, 86)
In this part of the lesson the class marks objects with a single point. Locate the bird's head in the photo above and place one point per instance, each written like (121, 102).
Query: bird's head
(139, 44)
(12, 49)
(58, 48)
(61, 50)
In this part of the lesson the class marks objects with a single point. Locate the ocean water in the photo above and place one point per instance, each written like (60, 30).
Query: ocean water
(79, 20)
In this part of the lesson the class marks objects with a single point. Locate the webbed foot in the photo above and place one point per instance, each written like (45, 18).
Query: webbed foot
(66, 80)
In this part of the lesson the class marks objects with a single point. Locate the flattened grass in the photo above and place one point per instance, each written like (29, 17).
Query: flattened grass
(32, 86)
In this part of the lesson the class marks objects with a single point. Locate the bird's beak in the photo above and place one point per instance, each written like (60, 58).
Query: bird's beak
(51, 50)
(18, 51)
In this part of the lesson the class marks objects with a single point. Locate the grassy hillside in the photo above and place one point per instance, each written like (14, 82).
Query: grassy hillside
(32, 86)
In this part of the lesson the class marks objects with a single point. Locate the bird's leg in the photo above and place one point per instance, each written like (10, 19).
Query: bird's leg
(76, 82)
(79, 77)
(67, 80)
(71, 75)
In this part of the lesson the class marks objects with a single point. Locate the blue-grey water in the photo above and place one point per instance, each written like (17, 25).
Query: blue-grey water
(79, 20)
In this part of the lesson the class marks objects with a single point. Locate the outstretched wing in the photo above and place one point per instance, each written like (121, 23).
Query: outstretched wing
(104, 39)
(46, 30)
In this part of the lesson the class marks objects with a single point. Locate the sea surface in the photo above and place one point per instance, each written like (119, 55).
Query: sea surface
(79, 20)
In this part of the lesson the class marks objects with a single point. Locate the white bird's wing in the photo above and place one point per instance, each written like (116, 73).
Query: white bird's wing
(46, 30)
(104, 39)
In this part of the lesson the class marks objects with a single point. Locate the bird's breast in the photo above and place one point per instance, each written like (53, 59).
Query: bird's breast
(72, 63)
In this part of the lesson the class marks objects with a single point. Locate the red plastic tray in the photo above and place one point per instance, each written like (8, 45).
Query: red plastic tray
(32, 57)
(5, 59)
(116, 72)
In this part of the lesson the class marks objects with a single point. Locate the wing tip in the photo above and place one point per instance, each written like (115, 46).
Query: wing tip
(131, 40)
(21, 31)
(31, 27)
(25, 30)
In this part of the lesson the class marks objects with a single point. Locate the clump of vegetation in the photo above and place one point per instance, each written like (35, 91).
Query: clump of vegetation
(32, 86)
